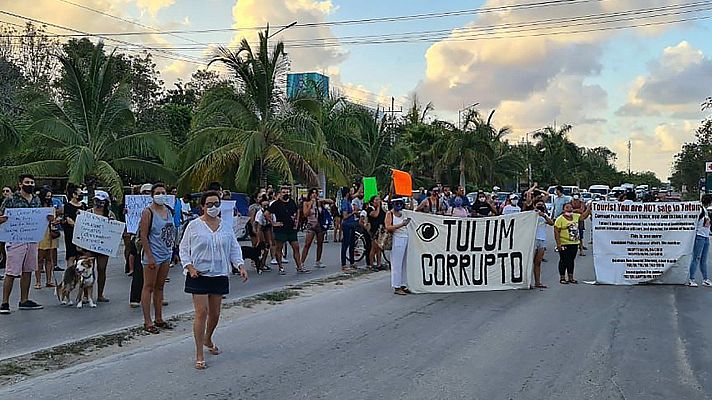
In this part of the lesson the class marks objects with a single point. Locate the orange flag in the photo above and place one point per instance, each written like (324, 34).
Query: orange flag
(403, 183)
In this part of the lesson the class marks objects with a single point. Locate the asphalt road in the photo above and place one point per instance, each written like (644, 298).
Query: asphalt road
(363, 342)
(25, 331)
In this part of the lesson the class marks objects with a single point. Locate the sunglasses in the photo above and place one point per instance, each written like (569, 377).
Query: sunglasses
(210, 204)
(7, 191)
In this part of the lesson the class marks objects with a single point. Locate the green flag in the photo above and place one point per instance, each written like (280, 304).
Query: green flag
(370, 188)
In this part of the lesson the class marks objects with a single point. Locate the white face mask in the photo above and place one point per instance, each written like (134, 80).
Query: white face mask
(213, 211)
(159, 199)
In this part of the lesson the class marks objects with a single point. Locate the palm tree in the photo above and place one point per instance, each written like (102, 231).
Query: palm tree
(468, 148)
(253, 129)
(86, 135)
(558, 153)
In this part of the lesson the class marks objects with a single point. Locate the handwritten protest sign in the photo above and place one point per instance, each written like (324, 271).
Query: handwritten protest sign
(643, 242)
(134, 206)
(227, 212)
(98, 234)
(25, 225)
(451, 254)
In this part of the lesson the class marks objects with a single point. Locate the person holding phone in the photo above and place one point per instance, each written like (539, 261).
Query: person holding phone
(208, 252)
(396, 225)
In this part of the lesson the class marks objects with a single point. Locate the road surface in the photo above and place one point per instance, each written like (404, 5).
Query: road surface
(363, 342)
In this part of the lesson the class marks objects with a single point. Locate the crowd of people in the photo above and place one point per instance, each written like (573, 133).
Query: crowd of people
(187, 231)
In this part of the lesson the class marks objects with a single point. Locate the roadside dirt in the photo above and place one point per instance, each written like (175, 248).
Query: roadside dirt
(39, 363)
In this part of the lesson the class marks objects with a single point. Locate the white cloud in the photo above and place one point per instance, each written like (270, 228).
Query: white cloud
(153, 6)
(677, 82)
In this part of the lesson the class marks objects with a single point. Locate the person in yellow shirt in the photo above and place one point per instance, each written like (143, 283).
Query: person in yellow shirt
(566, 233)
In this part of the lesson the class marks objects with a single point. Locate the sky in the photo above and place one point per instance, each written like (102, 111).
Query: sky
(616, 70)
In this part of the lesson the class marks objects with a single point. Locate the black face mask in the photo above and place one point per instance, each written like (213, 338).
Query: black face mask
(285, 197)
(542, 209)
(29, 189)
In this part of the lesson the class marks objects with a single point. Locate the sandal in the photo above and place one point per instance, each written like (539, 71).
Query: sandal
(282, 271)
(563, 281)
(303, 271)
(163, 324)
(50, 284)
(214, 350)
(572, 280)
(540, 286)
(151, 329)
(38, 286)
(200, 365)
(406, 290)
(400, 292)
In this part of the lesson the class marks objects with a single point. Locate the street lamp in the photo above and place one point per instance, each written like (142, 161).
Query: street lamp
(284, 28)
(459, 114)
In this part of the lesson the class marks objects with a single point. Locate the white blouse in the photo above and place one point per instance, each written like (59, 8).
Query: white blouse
(210, 253)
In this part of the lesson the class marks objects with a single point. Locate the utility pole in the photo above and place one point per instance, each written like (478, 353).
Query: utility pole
(630, 145)
(391, 119)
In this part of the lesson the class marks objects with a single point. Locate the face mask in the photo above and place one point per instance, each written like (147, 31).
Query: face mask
(213, 211)
(159, 199)
(98, 204)
(285, 197)
(568, 214)
(542, 209)
(481, 199)
(29, 189)
(398, 206)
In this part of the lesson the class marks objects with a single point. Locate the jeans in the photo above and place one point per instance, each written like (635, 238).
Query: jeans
(347, 243)
(699, 256)
(567, 255)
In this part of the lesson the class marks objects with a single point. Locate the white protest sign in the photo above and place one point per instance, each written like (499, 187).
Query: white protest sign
(98, 234)
(25, 225)
(135, 204)
(227, 212)
(708, 166)
(240, 226)
(643, 242)
(451, 254)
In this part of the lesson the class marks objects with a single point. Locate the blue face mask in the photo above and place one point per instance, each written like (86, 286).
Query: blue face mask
(398, 206)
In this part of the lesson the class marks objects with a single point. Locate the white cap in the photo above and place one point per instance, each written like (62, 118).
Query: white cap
(146, 187)
(363, 214)
(101, 195)
(496, 188)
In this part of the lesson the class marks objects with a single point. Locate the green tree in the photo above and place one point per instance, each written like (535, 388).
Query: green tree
(254, 130)
(560, 156)
(85, 134)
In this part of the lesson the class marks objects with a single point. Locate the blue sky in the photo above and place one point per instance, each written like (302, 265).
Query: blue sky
(633, 84)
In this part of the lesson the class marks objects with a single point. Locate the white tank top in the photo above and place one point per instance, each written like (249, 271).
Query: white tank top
(400, 232)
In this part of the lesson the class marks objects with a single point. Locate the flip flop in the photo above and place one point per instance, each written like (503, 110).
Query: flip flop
(540, 286)
(200, 365)
(563, 281)
(38, 286)
(151, 329)
(214, 350)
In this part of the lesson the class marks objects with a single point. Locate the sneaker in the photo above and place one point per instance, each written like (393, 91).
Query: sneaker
(134, 304)
(273, 262)
(30, 305)
(692, 283)
(707, 282)
(318, 264)
(282, 271)
(4, 308)
(58, 269)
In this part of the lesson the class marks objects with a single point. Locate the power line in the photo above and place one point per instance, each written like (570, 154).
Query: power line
(411, 17)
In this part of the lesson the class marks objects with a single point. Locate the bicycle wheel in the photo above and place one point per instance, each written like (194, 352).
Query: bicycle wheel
(359, 247)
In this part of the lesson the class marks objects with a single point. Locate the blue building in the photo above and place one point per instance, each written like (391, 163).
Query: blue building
(308, 83)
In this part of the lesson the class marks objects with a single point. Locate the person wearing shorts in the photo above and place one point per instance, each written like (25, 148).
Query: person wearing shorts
(313, 211)
(21, 257)
(543, 220)
(286, 213)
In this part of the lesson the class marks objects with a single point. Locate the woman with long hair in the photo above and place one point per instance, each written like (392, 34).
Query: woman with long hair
(157, 232)
(377, 223)
(71, 209)
(566, 233)
(208, 251)
(313, 212)
(348, 226)
(50, 242)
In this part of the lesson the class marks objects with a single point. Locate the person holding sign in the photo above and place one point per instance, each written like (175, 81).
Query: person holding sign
(157, 232)
(396, 225)
(566, 233)
(74, 193)
(313, 211)
(102, 206)
(46, 260)
(21, 257)
(702, 244)
(208, 252)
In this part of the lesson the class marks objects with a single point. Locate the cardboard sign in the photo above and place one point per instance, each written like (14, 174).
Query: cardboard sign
(402, 183)
(135, 204)
(98, 234)
(25, 225)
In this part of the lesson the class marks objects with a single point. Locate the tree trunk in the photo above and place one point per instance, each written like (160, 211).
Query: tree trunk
(462, 173)
(263, 175)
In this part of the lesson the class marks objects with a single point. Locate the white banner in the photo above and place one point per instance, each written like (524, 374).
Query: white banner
(450, 254)
(98, 234)
(25, 225)
(643, 242)
(135, 204)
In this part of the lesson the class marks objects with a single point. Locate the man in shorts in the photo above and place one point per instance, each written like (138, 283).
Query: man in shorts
(21, 257)
(286, 215)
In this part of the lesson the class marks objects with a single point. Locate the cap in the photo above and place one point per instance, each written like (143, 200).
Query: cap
(363, 214)
(101, 195)
(513, 197)
(146, 187)
(496, 188)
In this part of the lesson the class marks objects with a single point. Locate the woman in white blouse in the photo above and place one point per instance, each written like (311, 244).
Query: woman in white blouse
(208, 251)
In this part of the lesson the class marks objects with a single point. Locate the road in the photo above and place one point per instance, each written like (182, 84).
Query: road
(363, 342)
(22, 332)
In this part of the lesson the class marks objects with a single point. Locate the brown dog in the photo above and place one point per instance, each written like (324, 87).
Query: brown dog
(79, 275)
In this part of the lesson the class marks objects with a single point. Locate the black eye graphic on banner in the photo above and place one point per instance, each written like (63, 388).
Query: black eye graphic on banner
(427, 232)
